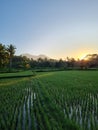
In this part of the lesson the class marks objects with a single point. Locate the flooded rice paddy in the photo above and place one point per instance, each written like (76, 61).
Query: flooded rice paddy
(51, 103)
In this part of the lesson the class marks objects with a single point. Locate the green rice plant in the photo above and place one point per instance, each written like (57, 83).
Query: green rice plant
(52, 100)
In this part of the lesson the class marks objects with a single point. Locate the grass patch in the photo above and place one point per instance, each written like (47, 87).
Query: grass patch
(17, 74)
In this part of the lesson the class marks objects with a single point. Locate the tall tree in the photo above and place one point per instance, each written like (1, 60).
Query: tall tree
(3, 56)
(11, 51)
(2, 51)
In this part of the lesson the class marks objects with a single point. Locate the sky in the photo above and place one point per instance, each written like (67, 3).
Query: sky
(56, 28)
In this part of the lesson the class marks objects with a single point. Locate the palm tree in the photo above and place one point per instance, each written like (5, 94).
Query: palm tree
(11, 50)
(3, 56)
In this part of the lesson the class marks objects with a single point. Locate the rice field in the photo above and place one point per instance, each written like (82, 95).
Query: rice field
(65, 100)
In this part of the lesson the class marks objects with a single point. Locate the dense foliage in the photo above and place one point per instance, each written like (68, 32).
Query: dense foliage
(9, 60)
(6, 55)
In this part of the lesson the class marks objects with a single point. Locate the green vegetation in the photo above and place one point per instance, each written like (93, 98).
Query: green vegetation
(9, 62)
(11, 51)
(17, 74)
(66, 100)
(6, 55)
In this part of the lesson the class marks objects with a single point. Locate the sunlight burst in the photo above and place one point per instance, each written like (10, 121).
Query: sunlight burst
(82, 56)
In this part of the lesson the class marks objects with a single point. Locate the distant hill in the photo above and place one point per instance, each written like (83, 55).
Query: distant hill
(35, 57)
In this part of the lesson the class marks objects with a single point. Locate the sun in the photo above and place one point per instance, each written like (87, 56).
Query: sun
(82, 56)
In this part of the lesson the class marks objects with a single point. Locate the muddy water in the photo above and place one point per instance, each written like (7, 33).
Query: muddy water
(24, 117)
(85, 112)
(29, 114)
(25, 110)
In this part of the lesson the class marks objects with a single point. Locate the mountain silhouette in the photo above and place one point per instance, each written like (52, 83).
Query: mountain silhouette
(35, 57)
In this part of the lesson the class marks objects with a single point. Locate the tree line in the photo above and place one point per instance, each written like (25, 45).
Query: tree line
(9, 61)
(6, 55)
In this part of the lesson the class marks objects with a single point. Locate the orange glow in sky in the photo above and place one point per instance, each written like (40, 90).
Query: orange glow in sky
(55, 28)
